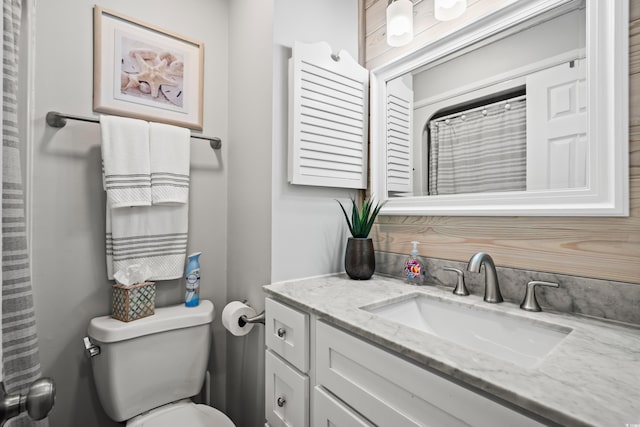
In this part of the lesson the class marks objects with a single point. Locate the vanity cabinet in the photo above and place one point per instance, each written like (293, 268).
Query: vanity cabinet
(330, 411)
(390, 391)
(286, 366)
(319, 375)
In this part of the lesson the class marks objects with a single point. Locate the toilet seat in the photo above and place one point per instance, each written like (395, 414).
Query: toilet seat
(183, 413)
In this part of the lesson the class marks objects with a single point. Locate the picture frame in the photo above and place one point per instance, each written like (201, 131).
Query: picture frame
(146, 72)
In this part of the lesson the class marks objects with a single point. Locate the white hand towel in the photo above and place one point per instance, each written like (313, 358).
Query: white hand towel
(170, 153)
(125, 157)
(155, 236)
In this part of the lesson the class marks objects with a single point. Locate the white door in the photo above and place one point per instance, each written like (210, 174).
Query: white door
(557, 127)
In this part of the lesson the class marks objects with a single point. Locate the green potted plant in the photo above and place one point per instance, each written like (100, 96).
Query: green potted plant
(359, 259)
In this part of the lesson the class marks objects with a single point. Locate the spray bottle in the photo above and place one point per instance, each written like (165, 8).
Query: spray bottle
(414, 270)
(192, 278)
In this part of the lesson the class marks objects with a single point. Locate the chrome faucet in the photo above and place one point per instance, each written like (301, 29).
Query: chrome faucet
(491, 285)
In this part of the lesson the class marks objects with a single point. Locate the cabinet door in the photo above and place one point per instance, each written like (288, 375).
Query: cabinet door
(286, 394)
(330, 412)
(287, 333)
(390, 391)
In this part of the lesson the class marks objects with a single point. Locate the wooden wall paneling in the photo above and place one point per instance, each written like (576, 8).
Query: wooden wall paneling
(634, 10)
(375, 17)
(426, 29)
(634, 151)
(369, 3)
(634, 100)
(584, 252)
(634, 43)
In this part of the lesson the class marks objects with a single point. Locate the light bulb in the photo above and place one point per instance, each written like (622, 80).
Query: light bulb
(445, 10)
(399, 23)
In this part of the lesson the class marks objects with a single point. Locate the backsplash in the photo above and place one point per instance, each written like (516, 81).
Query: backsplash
(606, 299)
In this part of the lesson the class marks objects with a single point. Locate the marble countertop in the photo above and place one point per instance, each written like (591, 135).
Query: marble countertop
(591, 378)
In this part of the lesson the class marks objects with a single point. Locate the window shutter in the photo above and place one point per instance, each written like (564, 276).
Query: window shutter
(399, 128)
(328, 105)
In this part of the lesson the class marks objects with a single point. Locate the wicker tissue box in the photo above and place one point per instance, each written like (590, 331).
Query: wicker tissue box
(134, 302)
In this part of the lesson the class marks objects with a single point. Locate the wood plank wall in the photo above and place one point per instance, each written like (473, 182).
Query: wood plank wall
(605, 248)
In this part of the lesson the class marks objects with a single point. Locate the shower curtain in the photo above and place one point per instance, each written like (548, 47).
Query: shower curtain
(481, 150)
(20, 358)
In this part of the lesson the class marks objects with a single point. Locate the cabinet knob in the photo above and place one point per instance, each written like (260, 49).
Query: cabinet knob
(281, 332)
(281, 401)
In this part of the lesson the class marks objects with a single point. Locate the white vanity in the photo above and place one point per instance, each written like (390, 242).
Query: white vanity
(337, 354)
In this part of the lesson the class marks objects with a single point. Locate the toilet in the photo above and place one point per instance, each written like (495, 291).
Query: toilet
(147, 370)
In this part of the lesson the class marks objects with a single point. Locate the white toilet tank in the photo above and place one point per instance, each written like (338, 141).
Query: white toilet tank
(152, 361)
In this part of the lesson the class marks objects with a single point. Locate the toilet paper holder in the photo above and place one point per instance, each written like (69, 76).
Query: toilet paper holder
(243, 320)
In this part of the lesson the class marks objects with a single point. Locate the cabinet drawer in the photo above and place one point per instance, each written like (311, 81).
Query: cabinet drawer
(390, 391)
(287, 333)
(329, 411)
(286, 394)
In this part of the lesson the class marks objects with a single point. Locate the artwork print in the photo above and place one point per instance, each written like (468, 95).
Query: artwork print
(150, 74)
(146, 72)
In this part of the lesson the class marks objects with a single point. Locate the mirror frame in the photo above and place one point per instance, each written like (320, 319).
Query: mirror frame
(607, 192)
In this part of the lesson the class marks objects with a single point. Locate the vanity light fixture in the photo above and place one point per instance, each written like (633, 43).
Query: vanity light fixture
(399, 22)
(445, 10)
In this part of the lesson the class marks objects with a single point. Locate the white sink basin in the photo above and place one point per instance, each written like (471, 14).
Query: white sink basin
(522, 341)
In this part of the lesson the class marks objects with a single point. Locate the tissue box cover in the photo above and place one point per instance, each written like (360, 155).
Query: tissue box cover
(134, 302)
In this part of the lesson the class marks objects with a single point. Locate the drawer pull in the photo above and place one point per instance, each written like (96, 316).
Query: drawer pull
(281, 332)
(281, 401)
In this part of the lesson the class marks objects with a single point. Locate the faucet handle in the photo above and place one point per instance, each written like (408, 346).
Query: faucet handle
(529, 302)
(461, 288)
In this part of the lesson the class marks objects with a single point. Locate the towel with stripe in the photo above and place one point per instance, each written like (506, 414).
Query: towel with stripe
(146, 177)
(155, 236)
(126, 161)
(170, 154)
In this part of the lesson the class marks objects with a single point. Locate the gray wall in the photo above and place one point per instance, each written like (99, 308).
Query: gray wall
(308, 229)
(276, 231)
(67, 201)
(249, 201)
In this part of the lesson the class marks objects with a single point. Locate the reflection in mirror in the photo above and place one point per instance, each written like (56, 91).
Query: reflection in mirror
(575, 85)
(506, 114)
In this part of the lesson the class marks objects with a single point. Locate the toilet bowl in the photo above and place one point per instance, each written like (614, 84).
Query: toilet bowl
(184, 413)
(147, 370)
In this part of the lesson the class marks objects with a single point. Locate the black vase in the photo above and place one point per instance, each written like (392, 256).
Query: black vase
(359, 258)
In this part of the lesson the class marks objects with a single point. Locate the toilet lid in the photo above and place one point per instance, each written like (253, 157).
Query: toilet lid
(182, 414)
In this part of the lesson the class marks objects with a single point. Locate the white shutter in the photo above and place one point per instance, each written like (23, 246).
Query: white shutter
(399, 128)
(328, 116)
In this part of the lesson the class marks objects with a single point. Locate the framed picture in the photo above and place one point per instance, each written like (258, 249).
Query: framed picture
(145, 72)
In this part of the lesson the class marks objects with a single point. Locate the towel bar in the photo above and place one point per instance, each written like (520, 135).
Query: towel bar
(58, 120)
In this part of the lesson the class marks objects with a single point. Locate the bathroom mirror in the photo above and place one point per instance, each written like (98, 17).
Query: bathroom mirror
(522, 112)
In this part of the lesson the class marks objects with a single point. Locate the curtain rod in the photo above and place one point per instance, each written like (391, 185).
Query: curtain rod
(59, 120)
(481, 107)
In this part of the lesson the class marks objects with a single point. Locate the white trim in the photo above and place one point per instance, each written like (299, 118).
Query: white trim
(607, 57)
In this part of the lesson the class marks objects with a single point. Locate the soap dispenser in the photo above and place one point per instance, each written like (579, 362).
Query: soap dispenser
(414, 270)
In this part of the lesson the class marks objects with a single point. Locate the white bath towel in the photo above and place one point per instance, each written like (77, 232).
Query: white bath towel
(170, 154)
(155, 236)
(125, 157)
